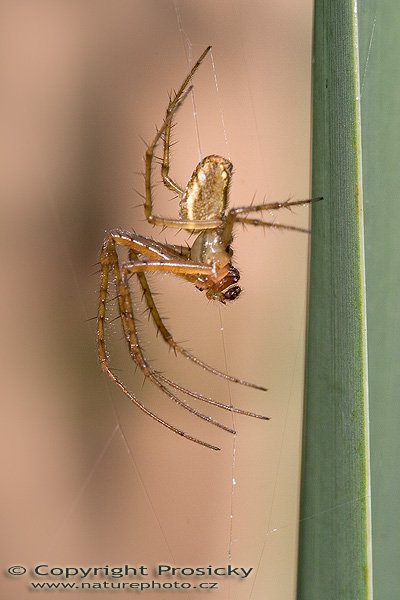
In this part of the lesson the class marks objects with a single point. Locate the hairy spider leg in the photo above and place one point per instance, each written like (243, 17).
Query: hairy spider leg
(165, 129)
(176, 269)
(109, 258)
(184, 268)
(270, 225)
(233, 215)
(187, 269)
(173, 105)
(168, 338)
(137, 353)
(130, 331)
(165, 164)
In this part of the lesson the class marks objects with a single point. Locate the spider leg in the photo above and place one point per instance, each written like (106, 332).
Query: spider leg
(165, 130)
(213, 402)
(270, 225)
(165, 165)
(233, 215)
(183, 251)
(109, 259)
(130, 330)
(167, 336)
(190, 269)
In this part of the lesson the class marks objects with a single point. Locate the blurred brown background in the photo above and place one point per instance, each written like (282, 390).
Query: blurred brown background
(87, 478)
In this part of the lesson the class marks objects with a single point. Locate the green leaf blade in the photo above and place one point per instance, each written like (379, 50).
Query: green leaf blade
(334, 557)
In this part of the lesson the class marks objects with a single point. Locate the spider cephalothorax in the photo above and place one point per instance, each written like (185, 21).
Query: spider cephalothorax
(207, 263)
(209, 249)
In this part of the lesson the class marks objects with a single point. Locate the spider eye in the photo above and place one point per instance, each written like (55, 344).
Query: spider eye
(232, 293)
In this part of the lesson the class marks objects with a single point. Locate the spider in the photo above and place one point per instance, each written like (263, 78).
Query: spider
(207, 263)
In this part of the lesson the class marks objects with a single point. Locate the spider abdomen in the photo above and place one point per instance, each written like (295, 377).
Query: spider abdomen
(206, 194)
